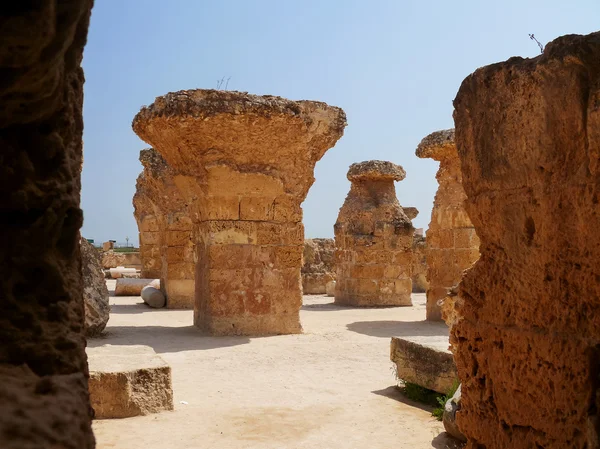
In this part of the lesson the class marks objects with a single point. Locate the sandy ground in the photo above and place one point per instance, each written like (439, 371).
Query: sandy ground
(331, 387)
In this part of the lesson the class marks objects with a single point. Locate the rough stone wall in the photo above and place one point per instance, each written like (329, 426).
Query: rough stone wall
(527, 345)
(419, 266)
(95, 292)
(452, 243)
(166, 230)
(317, 265)
(374, 238)
(43, 369)
(245, 164)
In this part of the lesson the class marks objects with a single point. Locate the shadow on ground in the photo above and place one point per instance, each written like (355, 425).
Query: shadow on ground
(444, 441)
(396, 394)
(164, 339)
(328, 307)
(388, 329)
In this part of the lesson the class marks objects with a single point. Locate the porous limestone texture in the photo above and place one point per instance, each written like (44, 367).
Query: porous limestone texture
(330, 289)
(166, 230)
(133, 287)
(245, 164)
(43, 369)
(128, 381)
(374, 238)
(425, 363)
(452, 243)
(108, 246)
(527, 345)
(317, 265)
(95, 293)
(419, 267)
(111, 259)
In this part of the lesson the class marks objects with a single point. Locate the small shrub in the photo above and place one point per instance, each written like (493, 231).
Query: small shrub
(425, 396)
(438, 412)
(420, 394)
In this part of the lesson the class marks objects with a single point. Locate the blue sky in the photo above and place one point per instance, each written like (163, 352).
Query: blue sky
(394, 66)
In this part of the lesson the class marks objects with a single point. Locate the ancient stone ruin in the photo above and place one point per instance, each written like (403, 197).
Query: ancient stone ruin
(317, 265)
(43, 369)
(245, 164)
(527, 343)
(452, 244)
(128, 381)
(95, 292)
(374, 238)
(166, 238)
(419, 266)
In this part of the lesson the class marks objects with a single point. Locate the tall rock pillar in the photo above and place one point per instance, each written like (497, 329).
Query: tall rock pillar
(245, 163)
(452, 243)
(373, 239)
(527, 342)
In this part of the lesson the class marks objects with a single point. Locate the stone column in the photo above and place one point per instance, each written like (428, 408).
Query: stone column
(374, 238)
(452, 244)
(317, 265)
(245, 163)
(527, 344)
(166, 241)
(43, 368)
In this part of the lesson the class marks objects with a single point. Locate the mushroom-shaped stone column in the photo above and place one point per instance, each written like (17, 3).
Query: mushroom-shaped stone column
(374, 239)
(452, 244)
(166, 239)
(245, 163)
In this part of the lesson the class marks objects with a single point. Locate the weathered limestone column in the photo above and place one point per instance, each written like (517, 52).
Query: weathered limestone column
(317, 266)
(43, 371)
(452, 244)
(374, 238)
(527, 347)
(166, 240)
(245, 163)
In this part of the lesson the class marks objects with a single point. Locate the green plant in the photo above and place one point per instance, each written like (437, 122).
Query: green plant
(438, 412)
(420, 394)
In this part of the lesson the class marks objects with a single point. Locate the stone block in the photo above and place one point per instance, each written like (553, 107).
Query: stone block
(425, 362)
(128, 381)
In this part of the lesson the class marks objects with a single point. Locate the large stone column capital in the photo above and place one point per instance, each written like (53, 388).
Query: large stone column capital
(203, 131)
(439, 146)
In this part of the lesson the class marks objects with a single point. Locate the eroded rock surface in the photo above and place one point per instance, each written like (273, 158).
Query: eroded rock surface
(245, 164)
(419, 265)
(43, 369)
(317, 265)
(128, 381)
(374, 239)
(165, 226)
(526, 347)
(452, 243)
(95, 292)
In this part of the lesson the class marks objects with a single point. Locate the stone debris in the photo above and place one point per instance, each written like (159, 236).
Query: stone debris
(527, 344)
(154, 297)
(119, 272)
(111, 259)
(374, 239)
(452, 244)
(128, 381)
(133, 287)
(245, 164)
(317, 265)
(95, 292)
(425, 361)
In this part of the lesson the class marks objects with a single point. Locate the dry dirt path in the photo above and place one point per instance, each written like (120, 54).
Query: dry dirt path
(331, 387)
